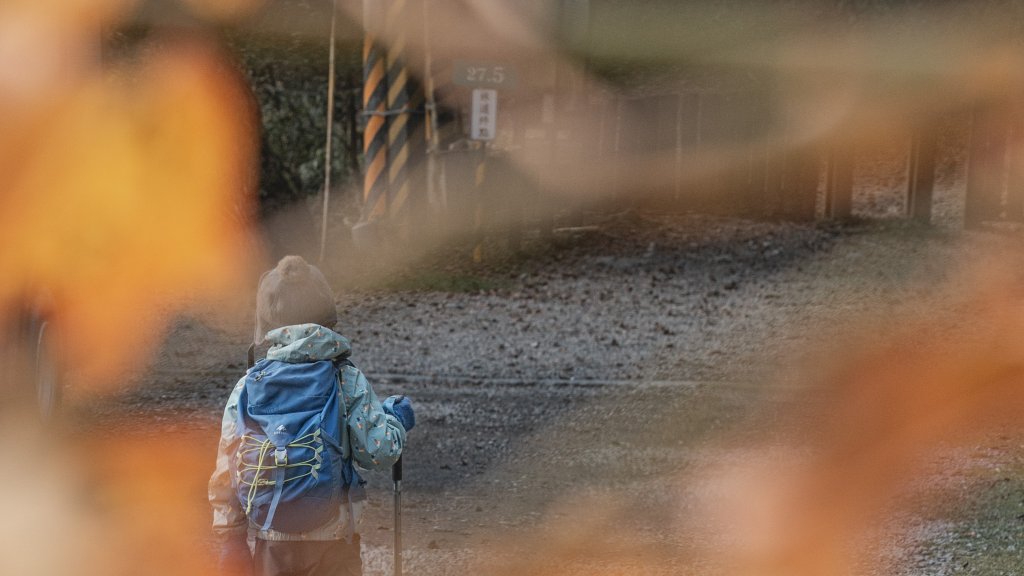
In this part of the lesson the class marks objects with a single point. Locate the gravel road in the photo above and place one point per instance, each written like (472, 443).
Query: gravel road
(601, 367)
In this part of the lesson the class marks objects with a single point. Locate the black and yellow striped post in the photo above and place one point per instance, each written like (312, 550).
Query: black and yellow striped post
(398, 110)
(375, 134)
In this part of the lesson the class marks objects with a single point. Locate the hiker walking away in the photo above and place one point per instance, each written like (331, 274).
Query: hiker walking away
(286, 494)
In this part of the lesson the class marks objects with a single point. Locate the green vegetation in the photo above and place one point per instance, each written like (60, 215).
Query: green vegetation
(283, 54)
(288, 77)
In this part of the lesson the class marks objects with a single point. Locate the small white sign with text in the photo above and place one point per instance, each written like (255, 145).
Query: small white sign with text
(484, 120)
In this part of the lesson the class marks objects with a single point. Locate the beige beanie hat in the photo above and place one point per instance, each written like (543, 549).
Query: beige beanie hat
(294, 292)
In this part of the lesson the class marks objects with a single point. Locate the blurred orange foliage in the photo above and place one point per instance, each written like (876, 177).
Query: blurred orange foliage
(125, 194)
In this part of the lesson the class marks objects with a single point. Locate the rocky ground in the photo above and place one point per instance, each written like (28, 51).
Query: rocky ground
(574, 388)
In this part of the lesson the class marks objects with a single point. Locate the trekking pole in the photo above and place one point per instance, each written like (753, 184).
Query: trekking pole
(250, 356)
(396, 477)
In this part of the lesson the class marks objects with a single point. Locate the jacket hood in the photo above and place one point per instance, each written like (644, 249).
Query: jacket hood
(306, 343)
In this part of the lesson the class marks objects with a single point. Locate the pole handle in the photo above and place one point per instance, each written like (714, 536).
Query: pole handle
(396, 470)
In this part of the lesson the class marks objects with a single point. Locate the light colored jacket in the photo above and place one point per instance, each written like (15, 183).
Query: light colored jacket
(372, 438)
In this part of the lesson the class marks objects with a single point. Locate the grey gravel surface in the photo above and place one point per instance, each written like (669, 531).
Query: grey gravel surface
(607, 305)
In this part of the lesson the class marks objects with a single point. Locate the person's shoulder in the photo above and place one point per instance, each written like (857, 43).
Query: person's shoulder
(347, 367)
(352, 378)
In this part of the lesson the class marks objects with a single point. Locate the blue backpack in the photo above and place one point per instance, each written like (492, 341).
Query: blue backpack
(290, 474)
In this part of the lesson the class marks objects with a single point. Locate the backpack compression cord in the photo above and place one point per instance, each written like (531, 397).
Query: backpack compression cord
(252, 444)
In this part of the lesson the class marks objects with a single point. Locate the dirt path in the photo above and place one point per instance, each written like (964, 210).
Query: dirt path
(600, 370)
